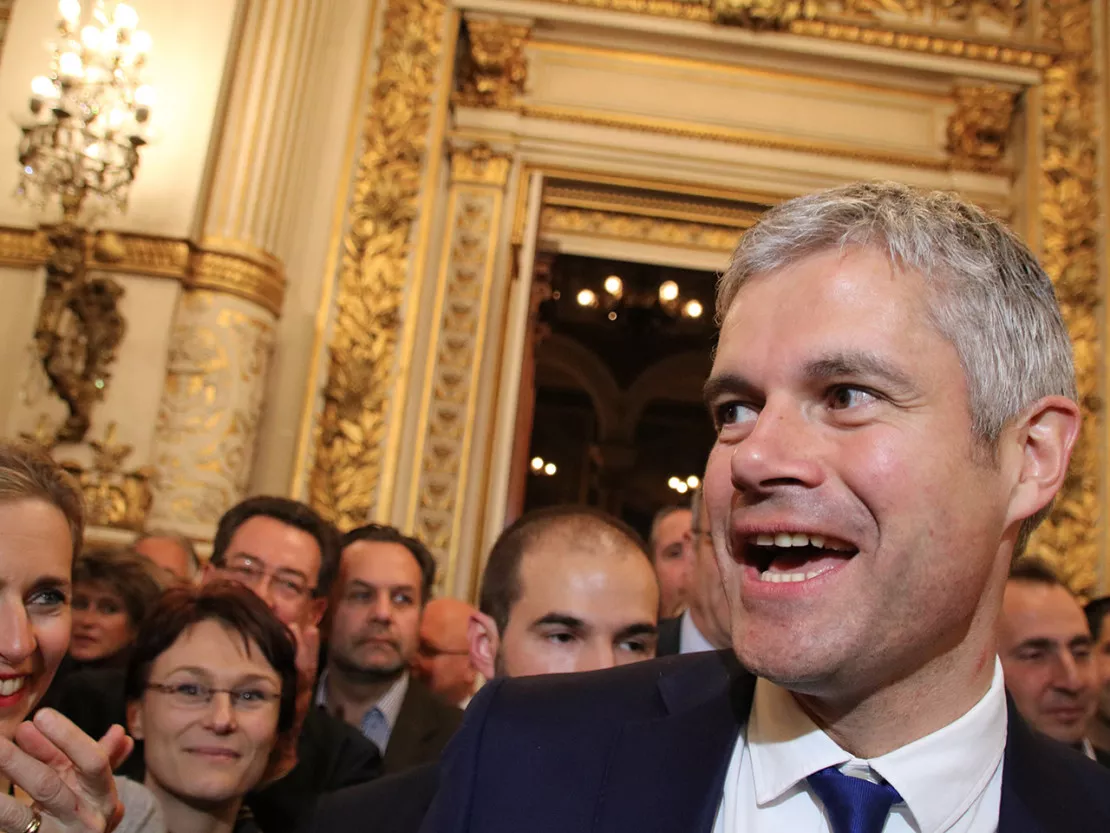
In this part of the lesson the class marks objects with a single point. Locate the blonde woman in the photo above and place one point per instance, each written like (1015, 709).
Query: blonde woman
(53, 777)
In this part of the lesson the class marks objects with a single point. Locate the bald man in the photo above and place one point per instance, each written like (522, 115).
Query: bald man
(443, 658)
(564, 589)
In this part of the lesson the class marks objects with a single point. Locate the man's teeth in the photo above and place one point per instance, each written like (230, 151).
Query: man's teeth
(800, 539)
(767, 575)
(11, 685)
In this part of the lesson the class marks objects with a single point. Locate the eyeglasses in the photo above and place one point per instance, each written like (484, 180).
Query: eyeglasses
(198, 695)
(286, 584)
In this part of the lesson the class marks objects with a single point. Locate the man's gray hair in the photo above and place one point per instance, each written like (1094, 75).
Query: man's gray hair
(986, 292)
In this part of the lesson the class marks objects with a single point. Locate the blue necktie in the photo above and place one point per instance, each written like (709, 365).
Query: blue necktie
(854, 805)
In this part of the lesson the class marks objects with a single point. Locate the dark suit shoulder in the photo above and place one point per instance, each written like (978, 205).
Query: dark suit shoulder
(629, 692)
(1062, 789)
(424, 725)
(393, 804)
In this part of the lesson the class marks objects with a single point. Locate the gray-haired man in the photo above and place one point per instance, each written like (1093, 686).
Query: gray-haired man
(895, 407)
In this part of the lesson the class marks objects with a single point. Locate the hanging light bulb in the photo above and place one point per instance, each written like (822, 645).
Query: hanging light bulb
(668, 291)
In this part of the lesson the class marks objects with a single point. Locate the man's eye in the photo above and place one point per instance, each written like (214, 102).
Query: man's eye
(842, 397)
(402, 599)
(189, 689)
(1031, 656)
(634, 646)
(560, 637)
(730, 413)
(48, 598)
(251, 695)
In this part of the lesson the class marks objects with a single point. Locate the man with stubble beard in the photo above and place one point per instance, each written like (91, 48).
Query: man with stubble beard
(385, 579)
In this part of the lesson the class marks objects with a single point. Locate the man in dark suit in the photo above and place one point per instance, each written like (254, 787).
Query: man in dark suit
(1045, 646)
(895, 406)
(564, 589)
(385, 579)
(704, 625)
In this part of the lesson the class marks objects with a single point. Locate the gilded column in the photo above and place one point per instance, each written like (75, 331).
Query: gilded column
(225, 323)
(461, 315)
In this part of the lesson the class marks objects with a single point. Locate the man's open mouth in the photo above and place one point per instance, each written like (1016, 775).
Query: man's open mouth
(794, 556)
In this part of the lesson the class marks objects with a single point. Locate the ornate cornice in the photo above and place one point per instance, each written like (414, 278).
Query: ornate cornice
(853, 21)
(252, 275)
(494, 68)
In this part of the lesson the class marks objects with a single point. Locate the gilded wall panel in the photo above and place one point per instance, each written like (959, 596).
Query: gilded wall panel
(374, 267)
(1069, 214)
(211, 404)
(447, 409)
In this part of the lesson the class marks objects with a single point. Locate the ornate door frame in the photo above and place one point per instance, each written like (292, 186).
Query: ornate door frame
(445, 97)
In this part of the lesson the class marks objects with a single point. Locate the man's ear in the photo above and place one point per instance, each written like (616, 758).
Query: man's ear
(317, 606)
(1042, 444)
(135, 720)
(483, 640)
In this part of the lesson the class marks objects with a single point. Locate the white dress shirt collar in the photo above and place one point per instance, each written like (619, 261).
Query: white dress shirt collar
(690, 639)
(937, 783)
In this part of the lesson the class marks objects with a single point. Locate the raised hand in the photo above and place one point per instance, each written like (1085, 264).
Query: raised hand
(66, 773)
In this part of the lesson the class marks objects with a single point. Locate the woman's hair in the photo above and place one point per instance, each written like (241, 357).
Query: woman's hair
(28, 473)
(123, 571)
(237, 609)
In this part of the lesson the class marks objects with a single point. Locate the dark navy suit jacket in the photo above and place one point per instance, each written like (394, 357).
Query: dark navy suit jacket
(646, 747)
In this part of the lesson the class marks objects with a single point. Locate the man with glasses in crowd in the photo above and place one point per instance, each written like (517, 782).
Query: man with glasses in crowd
(288, 555)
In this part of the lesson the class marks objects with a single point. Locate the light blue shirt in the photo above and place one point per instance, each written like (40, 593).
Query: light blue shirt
(378, 722)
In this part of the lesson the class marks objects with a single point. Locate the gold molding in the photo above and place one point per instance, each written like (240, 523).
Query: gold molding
(731, 135)
(979, 128)
(347, 466)
(1069, 213)
(233, 268)
(260, 283)
(461, 313)
(616, 226)
(846, 30)
(494, 68)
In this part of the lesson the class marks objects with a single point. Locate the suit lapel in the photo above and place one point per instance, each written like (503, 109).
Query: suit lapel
(1033, 787)
(409, 732)
(667, 774)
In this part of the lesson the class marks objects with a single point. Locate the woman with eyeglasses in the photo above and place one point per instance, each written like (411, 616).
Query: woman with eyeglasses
(211, 690)
(53, 777)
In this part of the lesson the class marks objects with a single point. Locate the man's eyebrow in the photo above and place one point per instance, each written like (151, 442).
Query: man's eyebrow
(638, 629)
(1080, 641)
(393, 588)
(860, 364)
(725, 383)
(564, 619)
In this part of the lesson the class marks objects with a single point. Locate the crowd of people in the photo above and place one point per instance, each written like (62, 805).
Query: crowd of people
(846, 636)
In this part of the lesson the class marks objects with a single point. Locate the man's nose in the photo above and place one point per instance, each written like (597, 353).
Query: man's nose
(17, 637)
(778, 451)
(1073, 673)
(596, 656)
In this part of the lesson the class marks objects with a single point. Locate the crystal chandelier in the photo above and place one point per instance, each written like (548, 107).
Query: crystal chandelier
(80, 146)
(89, 116)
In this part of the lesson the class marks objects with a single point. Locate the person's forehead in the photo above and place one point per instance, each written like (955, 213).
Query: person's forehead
(376, 562)
(162, 548)
(279, 544)
(214, 647)
(555, 574)
(673, 526)
(1032, 609)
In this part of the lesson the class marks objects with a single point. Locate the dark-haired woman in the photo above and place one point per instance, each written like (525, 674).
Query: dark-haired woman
(211, 689)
